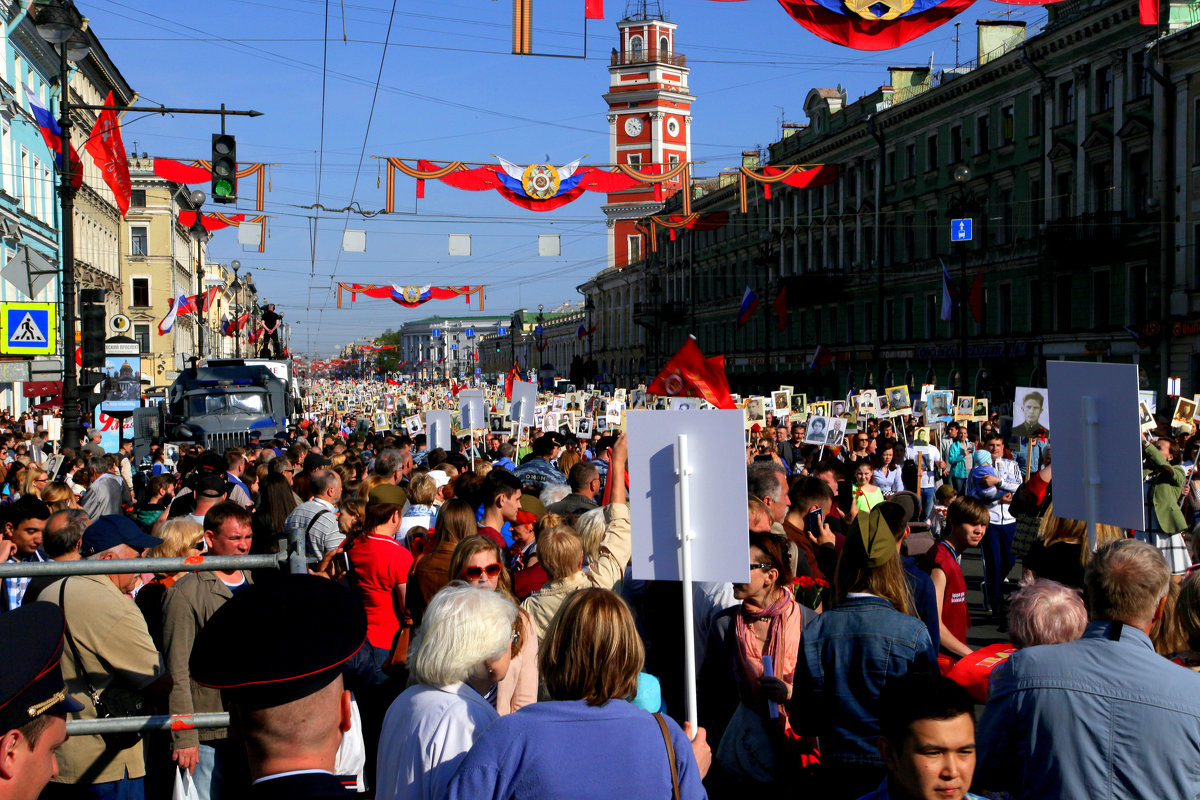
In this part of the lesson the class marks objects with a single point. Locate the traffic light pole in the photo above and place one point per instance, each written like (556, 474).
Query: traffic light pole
(72, 429)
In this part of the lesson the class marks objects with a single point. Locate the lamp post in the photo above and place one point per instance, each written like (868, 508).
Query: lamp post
(59, 23)
(235, 265)
(200, 236)
(963, 205)
(590, 307)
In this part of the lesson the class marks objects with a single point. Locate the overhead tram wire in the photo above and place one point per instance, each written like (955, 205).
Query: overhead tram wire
(316, 219)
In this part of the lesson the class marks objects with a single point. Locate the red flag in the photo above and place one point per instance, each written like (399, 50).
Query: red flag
(514, 374)
(392, 382)
(690, 374)
(179, 172)
(108, 151)
(593, 9)
(781, 308)
(1148, 12)
(975, 298)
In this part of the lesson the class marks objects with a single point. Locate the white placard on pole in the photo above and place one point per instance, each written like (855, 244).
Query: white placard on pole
(472, 412)
(687, 517)
(1097, 444)
(438, 428)
(524, 398)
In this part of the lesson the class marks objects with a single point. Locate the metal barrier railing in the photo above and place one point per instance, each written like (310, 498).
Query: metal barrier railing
(291, 556)
(152, 724)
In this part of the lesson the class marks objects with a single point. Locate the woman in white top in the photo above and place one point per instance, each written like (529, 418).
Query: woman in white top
(459, 654)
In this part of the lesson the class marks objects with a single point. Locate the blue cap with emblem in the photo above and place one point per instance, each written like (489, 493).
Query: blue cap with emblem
(31, 683)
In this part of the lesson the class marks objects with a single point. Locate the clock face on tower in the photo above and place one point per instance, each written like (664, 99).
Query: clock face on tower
(633, 126)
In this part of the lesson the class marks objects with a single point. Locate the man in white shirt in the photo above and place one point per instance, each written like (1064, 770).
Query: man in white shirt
(997, 542)
(928, 459)
(315, 522)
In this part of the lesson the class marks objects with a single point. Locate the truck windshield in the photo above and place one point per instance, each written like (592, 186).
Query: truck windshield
(233, 402)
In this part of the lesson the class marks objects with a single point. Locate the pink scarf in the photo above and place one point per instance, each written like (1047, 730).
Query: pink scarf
(782, 644)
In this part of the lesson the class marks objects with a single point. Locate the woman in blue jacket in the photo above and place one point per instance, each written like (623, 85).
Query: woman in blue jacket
(848, 653)
(589, 742)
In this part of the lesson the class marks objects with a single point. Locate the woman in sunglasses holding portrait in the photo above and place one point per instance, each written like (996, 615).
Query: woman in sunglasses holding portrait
(478, 561)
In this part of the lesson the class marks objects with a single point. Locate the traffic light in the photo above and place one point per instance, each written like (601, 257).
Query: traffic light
(92, 323)
(224, 168)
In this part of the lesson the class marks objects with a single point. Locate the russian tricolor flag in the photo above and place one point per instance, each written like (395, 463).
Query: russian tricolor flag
(53, 136)
(749, 305)
(168, 322)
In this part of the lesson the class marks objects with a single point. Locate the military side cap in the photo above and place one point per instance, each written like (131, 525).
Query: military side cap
(31, 683)
(386, 493)
(278, 642)
(533, 505)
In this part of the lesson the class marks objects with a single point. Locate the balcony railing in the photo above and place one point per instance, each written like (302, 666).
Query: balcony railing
(651, 56)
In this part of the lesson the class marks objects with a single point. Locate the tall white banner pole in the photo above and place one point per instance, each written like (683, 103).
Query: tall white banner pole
(1091, 461)
(683, 470)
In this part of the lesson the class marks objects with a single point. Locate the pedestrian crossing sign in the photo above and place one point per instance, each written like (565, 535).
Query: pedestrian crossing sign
(27, 329)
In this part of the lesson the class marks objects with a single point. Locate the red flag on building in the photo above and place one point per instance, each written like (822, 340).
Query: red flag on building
(1148, 12)
(593, 9)
(975, 298)
(690, 374)
(108, 151)
(781, 308)
(514, 374)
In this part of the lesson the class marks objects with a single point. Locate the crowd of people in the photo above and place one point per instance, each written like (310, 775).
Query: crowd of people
(468, 626)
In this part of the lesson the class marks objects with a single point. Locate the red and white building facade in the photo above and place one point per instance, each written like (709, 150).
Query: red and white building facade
(649, 122)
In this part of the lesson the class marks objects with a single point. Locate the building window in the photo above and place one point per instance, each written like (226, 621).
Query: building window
(1008, 124)
(889, 171)
(931, 232)
(983, 134)
(907, 331)
(141, 333)
(956, 144)
(634, 159)
(141, 292)
(869, 174)
(910, 160)
(137, 197)
(1004, 312)
(1037, 114)
(1103, 88)
(1196, 132)
(931, 152)
(889, 316)
(635, 249)
(635, 48)
(910, 237)
(1064, 183)
(1035, 306)
(138, 242)
(1066, 102)
(1004, 230)
(664, 48)
(851, 328)
(1062, 303)
(1101, 299)
(1141, 78)
(1036, 207)
(931, 315)
(869, 321)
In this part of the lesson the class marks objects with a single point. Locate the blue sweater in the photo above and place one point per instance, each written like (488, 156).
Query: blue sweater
(573, 750)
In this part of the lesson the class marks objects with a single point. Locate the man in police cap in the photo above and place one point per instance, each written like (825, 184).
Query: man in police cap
(285, 692)
(33, 700)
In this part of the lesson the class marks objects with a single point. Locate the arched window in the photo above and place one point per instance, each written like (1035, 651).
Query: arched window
(664, 48)
(636, 48)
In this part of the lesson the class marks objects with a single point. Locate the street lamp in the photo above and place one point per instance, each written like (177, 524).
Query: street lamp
(59, 23)
(235, 265)
(961, 206)
(200, 236)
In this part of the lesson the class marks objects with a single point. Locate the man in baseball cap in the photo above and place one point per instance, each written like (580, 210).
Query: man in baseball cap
(33, 699)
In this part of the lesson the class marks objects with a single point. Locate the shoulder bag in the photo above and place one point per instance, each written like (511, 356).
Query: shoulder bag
(666, 734)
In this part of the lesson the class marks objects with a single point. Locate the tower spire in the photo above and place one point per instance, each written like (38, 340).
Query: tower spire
(644, 9)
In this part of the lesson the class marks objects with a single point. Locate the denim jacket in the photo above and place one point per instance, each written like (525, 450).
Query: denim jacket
(846, 656)
(1101, 717)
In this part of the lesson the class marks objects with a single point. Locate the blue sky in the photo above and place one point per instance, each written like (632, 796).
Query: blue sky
(450, 89)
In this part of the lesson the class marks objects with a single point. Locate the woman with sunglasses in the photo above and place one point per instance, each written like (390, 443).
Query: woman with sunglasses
(744, 705)
(478, 561)
(455, 661)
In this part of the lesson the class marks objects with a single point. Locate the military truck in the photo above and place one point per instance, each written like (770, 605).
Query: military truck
(224, 403)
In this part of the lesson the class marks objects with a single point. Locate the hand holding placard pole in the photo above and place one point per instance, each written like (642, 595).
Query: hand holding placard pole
(683, 470)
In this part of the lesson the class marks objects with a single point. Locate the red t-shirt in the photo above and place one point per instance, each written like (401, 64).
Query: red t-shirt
(954, 602)
(494, 535)
(529, 580)
(379, 563)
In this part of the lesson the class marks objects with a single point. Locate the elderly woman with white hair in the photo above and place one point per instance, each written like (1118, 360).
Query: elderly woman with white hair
(456, 659)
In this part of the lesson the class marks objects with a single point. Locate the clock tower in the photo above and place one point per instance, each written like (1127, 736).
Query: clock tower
(649, 120)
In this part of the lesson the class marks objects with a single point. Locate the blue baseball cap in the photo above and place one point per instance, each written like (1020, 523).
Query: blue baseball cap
(112, 530)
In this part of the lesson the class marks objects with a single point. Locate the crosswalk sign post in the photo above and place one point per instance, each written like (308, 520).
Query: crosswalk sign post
(27, 329)
(960, 230)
